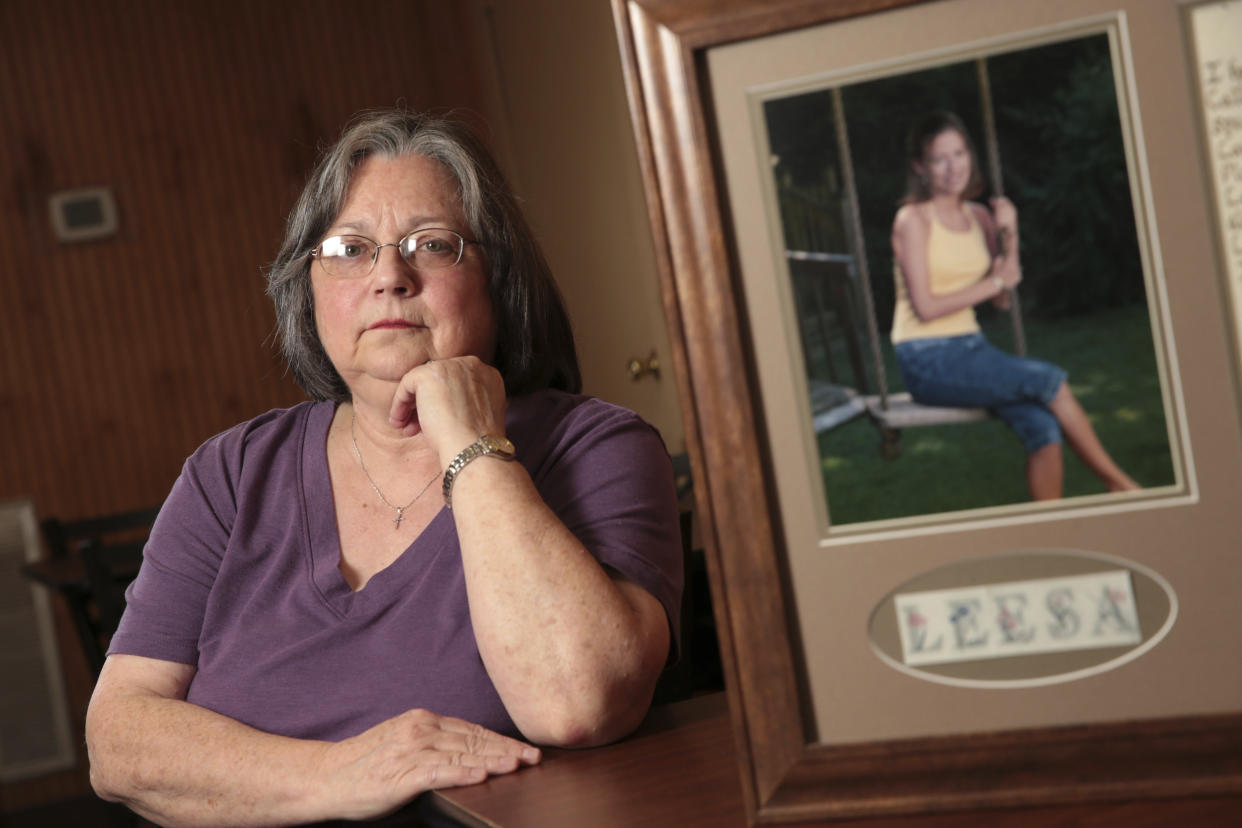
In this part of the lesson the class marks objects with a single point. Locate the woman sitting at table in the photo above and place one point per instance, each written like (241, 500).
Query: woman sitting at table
(360, 598)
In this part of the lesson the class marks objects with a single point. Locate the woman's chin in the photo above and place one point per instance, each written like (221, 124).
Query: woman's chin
(391, 368)
(951, 189)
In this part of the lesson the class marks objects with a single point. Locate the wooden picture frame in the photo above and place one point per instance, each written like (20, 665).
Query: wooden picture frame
(775, 660)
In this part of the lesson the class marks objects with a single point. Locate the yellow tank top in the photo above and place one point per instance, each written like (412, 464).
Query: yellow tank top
(955, 259)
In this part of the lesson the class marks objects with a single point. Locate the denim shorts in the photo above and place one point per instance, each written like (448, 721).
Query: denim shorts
(967, 371)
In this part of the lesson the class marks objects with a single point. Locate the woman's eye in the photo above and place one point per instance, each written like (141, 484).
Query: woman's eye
(434, 245)
(345, 247)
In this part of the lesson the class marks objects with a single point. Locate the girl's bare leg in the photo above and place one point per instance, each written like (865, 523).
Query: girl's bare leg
(1044, 472)
(1083, 440)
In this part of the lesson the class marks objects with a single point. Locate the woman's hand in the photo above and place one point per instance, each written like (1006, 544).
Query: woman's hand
(180, 764)
(1005, 215)
(1008, 269)
(1010, 274)
(452, 402)
(1002, 227)
(381, 769)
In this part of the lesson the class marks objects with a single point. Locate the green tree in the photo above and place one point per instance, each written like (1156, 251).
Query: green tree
(1066, 169)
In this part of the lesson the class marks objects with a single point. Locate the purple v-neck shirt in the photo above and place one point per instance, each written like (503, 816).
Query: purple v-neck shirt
(240, 575)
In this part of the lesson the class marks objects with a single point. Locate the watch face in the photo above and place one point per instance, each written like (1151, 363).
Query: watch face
(499, 445)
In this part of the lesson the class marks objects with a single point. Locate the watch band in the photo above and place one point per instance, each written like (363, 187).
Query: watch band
(488, 445)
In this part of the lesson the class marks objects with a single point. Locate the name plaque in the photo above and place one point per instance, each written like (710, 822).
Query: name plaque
(1077, 612)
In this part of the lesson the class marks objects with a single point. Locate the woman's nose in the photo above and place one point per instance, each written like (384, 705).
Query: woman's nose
(391, 272)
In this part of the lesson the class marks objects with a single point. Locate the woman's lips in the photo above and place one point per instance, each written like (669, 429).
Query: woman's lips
(391, 324)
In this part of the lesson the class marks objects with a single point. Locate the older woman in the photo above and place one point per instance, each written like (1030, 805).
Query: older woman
(373, 594)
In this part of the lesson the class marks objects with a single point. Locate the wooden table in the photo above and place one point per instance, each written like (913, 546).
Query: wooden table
(680, 769)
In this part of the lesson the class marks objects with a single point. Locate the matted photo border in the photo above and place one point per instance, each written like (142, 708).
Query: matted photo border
(783, 390)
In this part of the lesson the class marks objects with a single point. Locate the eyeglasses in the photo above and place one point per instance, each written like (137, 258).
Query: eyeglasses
(352, 257)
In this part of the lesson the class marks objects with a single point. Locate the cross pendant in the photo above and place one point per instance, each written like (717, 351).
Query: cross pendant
(396, 522)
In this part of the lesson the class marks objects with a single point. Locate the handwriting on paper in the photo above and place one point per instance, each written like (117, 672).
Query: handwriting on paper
(1222, 104)
(1018, 618)
(1215, 27)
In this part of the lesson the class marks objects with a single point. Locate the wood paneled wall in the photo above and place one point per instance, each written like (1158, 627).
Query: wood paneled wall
(118, 357)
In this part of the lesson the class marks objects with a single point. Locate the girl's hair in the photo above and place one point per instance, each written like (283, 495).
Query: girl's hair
(922, 132)
(534, 340)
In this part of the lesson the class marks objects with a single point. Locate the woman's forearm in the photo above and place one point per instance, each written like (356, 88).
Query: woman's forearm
(928, 306)
(179, 764)
(1006, 266)
(573, 653)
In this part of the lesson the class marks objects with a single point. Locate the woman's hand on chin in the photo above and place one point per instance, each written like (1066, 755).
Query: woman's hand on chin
(451, 401)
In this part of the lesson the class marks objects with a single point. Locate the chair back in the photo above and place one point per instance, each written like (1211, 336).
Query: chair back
(108, 551)
(64, 537)
(676, 683)
(110, 567)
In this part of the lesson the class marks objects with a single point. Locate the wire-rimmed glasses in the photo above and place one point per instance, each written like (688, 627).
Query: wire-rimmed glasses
(352, 256)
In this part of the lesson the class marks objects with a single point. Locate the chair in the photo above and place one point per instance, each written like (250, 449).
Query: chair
(698, 669)
(63, 536)
(109, 570)
(675, 683)
(90, 563)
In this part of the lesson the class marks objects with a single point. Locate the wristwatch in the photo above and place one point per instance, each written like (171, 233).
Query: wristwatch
(489, 445)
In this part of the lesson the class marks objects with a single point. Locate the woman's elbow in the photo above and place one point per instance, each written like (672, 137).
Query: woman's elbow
(590, 722)
(115, 769)
(563, 732)
(105, 765)
(104, 785)
(598, 706)
(922, 312)
(603, 694)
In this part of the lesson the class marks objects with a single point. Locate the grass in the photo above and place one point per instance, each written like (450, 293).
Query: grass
(1112, 370)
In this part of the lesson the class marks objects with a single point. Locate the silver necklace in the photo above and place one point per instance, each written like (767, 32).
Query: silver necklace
(396, 522)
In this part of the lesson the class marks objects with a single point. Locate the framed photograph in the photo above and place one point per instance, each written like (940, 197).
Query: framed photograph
(1055, 131)
(904, 627)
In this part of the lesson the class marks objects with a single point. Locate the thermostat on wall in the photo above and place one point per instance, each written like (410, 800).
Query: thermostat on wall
(88, 213)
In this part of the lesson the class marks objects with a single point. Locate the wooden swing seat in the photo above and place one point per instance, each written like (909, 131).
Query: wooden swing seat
(904, 412)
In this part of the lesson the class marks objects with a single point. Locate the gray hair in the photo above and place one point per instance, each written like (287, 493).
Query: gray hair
(534, 340)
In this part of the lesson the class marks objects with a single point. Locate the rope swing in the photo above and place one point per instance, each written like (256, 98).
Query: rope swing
(894, 412)
(998, 189)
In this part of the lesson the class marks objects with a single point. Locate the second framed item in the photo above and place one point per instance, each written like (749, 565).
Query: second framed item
(905, 627)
